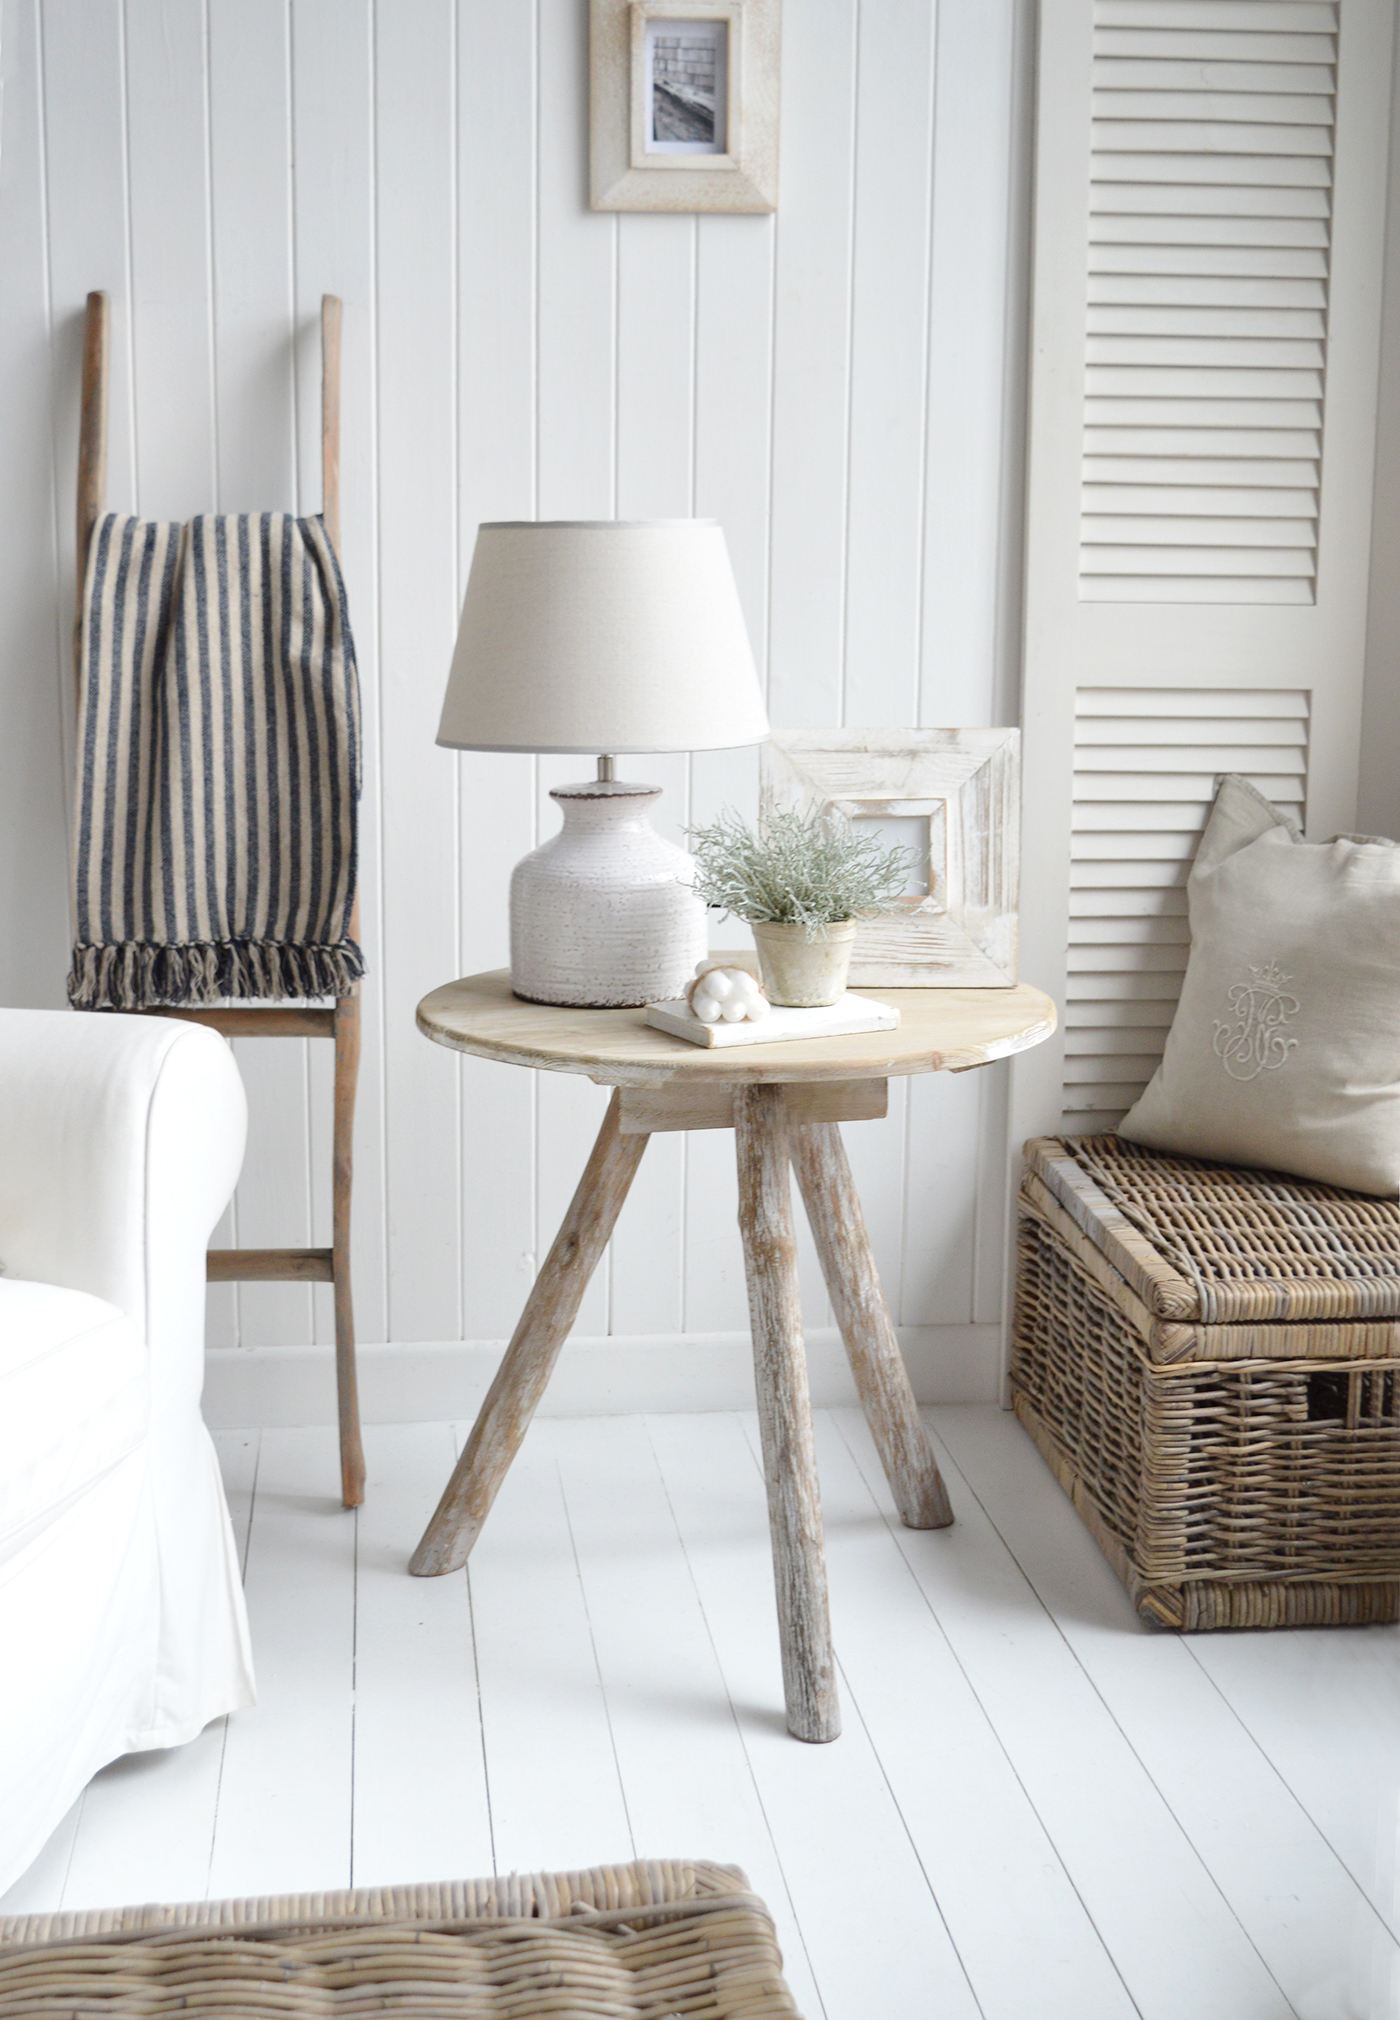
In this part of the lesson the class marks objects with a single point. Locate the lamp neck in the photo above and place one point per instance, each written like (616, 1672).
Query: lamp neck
(605, 767)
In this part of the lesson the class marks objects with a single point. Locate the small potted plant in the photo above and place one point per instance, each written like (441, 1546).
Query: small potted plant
(802, 883)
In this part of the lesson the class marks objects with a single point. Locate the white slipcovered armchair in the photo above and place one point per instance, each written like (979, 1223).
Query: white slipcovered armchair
(121, 1611)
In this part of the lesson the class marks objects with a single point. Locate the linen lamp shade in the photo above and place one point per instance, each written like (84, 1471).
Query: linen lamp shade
(606, 636)
(602, 635)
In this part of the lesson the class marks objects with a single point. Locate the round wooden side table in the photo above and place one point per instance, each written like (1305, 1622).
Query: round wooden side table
(784, 1102)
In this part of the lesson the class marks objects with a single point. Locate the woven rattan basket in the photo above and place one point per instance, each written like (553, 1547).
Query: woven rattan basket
(1209, 1358)
(638, 1942)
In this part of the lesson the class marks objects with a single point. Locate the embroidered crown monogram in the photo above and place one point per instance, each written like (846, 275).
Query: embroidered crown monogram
(1253, 1037)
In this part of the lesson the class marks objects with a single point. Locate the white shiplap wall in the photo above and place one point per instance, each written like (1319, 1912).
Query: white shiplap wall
(840, 385)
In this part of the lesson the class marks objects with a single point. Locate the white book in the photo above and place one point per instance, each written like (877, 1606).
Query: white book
(835, 1020)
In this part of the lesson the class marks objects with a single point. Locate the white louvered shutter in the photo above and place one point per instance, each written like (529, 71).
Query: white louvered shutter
(1209, 235)
(1145, 765)
(1210, 188)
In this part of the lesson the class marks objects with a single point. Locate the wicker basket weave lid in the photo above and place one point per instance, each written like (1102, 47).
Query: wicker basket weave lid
(654, 1937)
(1217, 1244)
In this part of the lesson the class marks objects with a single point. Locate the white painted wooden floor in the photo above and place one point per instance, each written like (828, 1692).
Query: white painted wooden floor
(1037, 1808)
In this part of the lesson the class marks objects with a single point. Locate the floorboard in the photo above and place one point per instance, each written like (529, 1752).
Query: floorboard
(1324, 1707)
(284, 1808)
(1037, 1805)
(853, 1876)
(686, 1774)
(238, 1462)
(556, 1795)
(421, 1808)
(39, 1889)
(1175, 1942)
(967, 1813)
(1315, 1931)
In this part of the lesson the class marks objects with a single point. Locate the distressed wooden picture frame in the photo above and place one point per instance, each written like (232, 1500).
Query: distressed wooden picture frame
(731, 161)
(962, 932)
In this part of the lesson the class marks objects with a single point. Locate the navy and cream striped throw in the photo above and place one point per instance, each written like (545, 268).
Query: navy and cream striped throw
(219, 765)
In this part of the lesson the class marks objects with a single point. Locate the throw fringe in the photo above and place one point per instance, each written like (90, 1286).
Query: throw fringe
(139, 976)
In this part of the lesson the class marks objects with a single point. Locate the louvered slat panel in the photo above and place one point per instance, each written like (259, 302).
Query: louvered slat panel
(1148, 931)
(1223, 501)
(1146, 765)
(1155, 459)
(1116, 265)
(1212, 45)
(1163, 74)
(1122, 300)
(1255, 104)
(1135, 414)
(1207, 302)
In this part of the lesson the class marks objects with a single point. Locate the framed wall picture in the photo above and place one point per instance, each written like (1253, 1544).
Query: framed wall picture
(951, 798)
(684, 105)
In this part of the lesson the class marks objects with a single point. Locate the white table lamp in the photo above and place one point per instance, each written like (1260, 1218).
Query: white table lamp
(603, 636)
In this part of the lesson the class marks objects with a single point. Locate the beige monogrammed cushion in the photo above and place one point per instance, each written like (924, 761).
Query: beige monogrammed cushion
(1285, 1048)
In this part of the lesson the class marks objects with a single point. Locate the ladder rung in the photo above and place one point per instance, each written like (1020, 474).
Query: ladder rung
(271, 1265)
(254, 1020)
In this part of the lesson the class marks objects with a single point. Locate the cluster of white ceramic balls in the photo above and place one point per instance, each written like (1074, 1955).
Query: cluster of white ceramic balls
(726, 995)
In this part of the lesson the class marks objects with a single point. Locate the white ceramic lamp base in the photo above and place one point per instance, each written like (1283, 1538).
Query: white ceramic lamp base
(602, 915)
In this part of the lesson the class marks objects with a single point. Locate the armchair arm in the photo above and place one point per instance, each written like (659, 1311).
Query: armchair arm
(121, 1139)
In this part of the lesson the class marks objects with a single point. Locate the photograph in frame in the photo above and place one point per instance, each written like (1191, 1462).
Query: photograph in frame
(951, 798)
(687, 65)
(683, 104)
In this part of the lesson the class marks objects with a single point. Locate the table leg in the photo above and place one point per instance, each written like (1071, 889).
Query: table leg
(785, 1414)
(549, 1313)
(882, 1381)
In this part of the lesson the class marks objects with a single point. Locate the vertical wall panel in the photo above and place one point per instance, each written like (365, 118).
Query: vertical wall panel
(496, 220)
(811, 366)
(967, 333)
(250, 152)
(733, 413)
(655, 366)
(165, 313)
(415, 103)
(34, 946)
(577, 480)
(255, 444)
(85, 149)
(333, 242)
(829, 382)
(940, 1203)
(884, 536)
(733, 463)
(577, 254)
(877, 1154)
(889, 363)
(172, 334)
(656, 284)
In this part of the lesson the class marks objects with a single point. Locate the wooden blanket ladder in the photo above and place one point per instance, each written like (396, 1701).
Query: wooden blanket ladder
(340, 1022)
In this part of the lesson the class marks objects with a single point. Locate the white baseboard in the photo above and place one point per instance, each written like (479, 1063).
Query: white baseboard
(276, 1387)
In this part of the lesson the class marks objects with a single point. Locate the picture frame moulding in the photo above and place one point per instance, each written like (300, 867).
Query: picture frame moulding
(963, 931)
(730, 161)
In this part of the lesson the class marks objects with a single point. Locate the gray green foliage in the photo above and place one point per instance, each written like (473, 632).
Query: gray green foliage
(805, 870)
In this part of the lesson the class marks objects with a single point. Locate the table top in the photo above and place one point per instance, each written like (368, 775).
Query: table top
(938, 1028)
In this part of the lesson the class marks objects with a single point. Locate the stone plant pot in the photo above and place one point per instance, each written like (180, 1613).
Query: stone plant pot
(804, 974)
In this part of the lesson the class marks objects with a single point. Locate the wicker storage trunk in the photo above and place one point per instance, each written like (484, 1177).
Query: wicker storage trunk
(1209, 1359)
(663, 1937)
